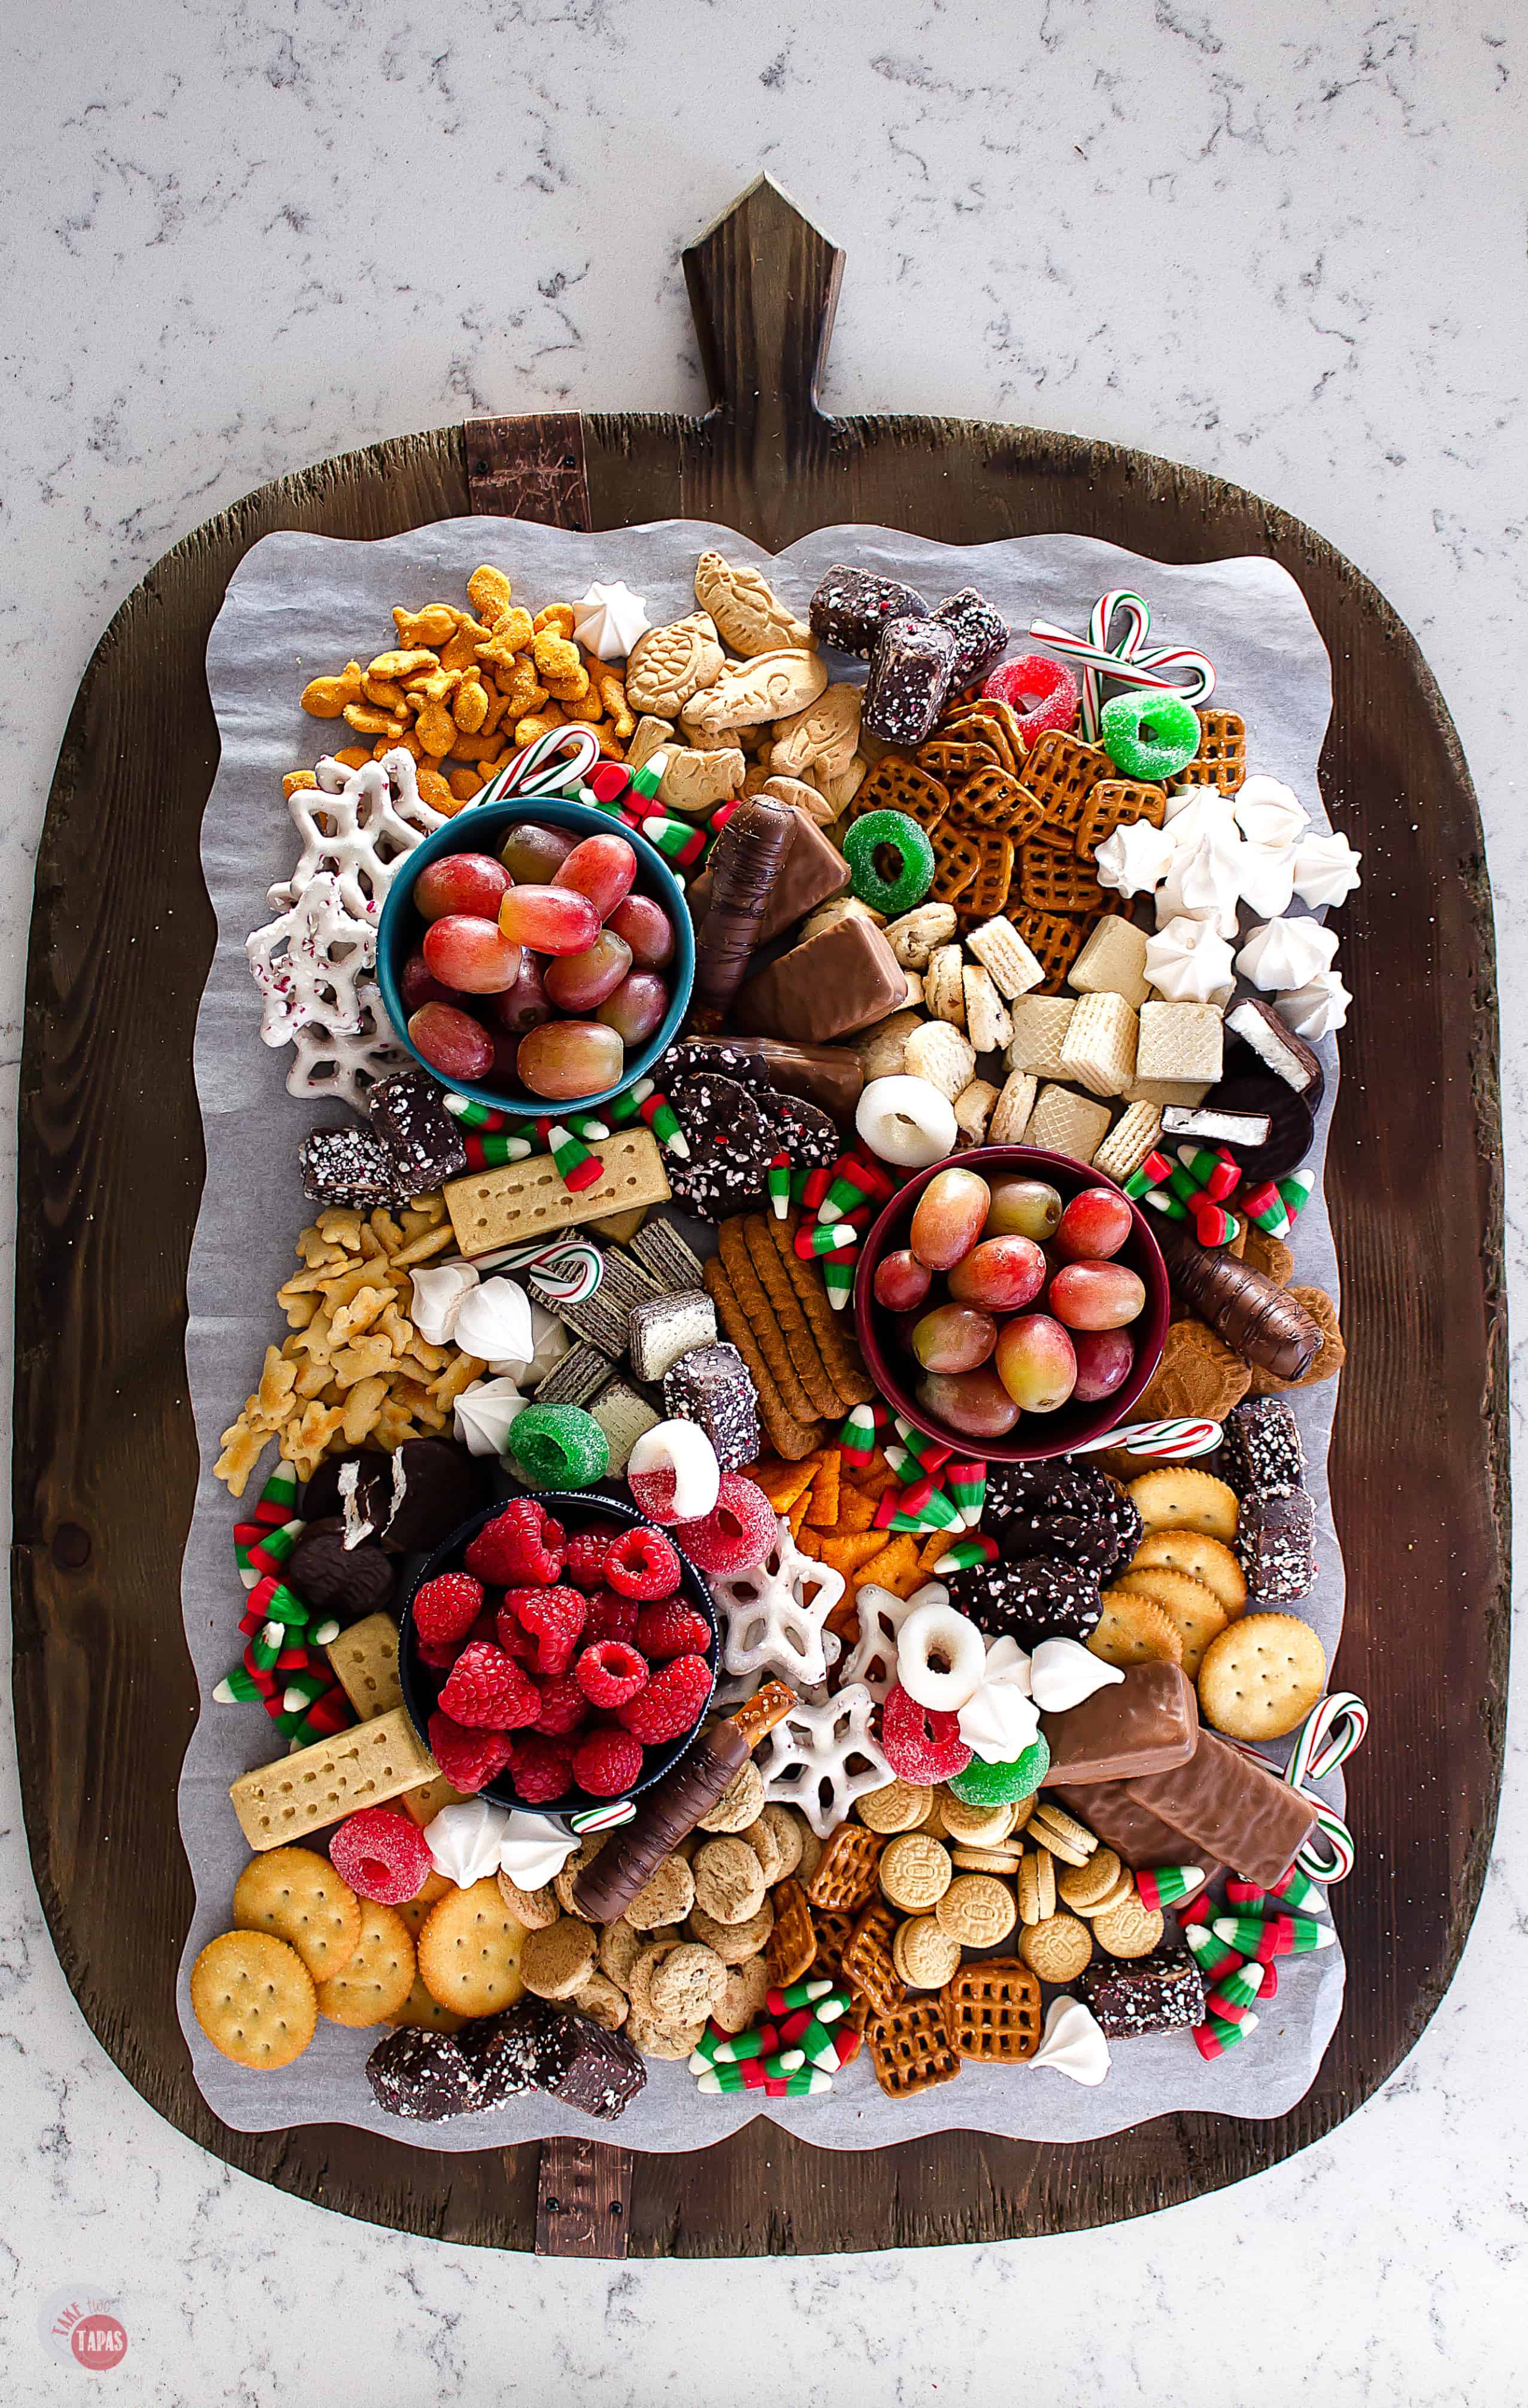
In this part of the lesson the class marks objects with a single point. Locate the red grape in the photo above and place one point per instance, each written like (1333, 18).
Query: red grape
(1028, 1208)
(603, 867)
(1000, 1273)
(954, 1337)
(549, 919)
(524, 1004)
(460, 882)
(900, 1280)
(416, 985)
(533, 852)
(562, 1059)
(450, 1041)
(635, 1009)
(1036, 1362)
(646, 928)
(1104, 1360)
(1096, 1295)
(975, 1404)
(471, 954)
(1094, 1225)
(577, 981)
(947, 1218)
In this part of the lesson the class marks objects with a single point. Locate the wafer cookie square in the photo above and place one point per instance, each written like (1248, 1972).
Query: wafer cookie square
(1099, 1051)
(1063, 1122)
(1129, 1142)
(1003, 954)
(1112, 962)
(1166, 1091)
(1181, 1040)
(1040, 1025)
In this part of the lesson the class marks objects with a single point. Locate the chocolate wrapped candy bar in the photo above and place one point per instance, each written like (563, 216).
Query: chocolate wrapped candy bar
(713, 1387)
(1257, 1320)
(348, 1582)
(836, 983)
(813, 872)
(749, 857)
(911, 672)
(423, 2075)
(667, 1813)
(597, 2071)
(434, 1485)
(1258, 1095)
(1163, 1992)
(981, 633)
(426, 1145)
(348, 1166)
(1146, 1722)
(1222, 1801)
(828, 1076)
(1275, 1546)
(851, 606)
(1136, 1836)
(1262, 1454)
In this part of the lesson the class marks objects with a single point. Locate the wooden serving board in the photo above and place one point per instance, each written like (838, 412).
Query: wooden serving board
(111, 1165)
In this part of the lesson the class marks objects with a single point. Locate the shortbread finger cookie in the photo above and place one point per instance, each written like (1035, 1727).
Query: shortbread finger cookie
(254, 1998)
(1262, 1676)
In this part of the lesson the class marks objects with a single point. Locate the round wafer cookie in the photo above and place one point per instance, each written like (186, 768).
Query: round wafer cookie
(977, 1910)
(298, 1897)
(1195, 1613)
(254, 1998)
(1203, 1558)
(1132, 1629)
(978, 1826)
(377, 1977)
(1052, 1827)
(1177, 1497)
(469, 1949)
(915, 1871)
(1262, 1676)
(924, 1953)
(1057, 1949)
(1005, 1861)
(1131, 1928)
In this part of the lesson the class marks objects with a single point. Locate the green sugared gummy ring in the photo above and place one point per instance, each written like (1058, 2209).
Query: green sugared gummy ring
(1149, 736)
(999, 1785)
(913, 852)
(557, 1446)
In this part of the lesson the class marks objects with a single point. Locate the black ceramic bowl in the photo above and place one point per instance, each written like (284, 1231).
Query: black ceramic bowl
(422, 1685)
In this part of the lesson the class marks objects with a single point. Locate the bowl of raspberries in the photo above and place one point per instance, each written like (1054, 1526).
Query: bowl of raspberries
(557, 1653)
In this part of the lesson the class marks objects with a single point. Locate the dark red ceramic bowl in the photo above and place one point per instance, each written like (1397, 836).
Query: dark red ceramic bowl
(1037, 1435)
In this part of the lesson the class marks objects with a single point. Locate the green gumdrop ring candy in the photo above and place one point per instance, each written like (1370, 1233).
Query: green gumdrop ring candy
(557, 1446)
(1149, 736)
(999, 1785)
(914, 858)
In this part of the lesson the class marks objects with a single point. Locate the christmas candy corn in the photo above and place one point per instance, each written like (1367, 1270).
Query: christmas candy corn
(1291, 1888)
(1279, 1935)
(1164, 1885)
(1235, 1992)
(1212, 1957)
(965, 1553)
(777, 1179)
(1148, 1174)
(857, 1439)
(965, 1485)
(474, 1115)
(1215, 2036)
(814, 1990)
(488, 1150)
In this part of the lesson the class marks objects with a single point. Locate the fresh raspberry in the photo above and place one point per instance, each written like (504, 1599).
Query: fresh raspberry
(487, 1628)
(585, 1560)
(672, 1627)
(612, 1618)
(564, 1706)
(610, 1672)
(543, 1769)
(510, 1631)
(672, 1701)
(643, 1564)
(607, 1762)
(522, 1544)
(381, 1855)
(440, 1658)
(489, 1691)
(555, 1617)
(445, 1609)
(469, 1759)
(920, 1743)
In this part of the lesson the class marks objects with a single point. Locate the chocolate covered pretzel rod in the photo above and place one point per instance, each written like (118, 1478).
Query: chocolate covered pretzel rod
(668, 1812)
(749, 856)
(1263, 1323)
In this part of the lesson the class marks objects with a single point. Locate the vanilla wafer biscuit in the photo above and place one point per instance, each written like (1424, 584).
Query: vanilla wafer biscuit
(1129, 1142)
(1064, 1123)
(1003, 954)
(1040, 1025)
(1099, 1052)
(1113, 961)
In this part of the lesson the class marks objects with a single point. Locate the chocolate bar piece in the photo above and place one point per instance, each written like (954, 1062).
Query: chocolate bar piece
(828, 1076)
(1146, 1722)
(713, 1387)
(836, 983)
(1262, 1454)
(1257, 1319)
(1216, 1128)
(981, 633)
(851, 606)
(1289, 1058)
(1222, 1800)
(1275, 1546)
(749, 857)
(813, 872)
(1163, 1992)
(667, 1813)
(911, 672)
(427, 1144)
(1136, 1836)
(597, 2071)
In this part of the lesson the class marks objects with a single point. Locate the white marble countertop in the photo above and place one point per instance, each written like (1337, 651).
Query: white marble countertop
(1285, 245)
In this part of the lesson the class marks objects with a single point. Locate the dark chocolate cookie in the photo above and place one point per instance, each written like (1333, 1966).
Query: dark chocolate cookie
(425, 1144)
(1080, 1514)
(732, 1141)
(346, 1582)
(436, 1484)
(1039, 1597)
(807, 1133)
(981, 633)
(423, 2075)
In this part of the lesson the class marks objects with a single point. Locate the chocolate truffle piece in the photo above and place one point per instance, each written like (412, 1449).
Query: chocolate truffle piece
(597, 2071)
(425, 1144)
(1163, 1992)
(713, 1387)
(501, 2052)
(348, 1166)
(1039, 1597)
(851, 606)
(911, 672)
(981, 633)
(423, 2075)
(332, 1578)
(1275, 1546)
(1262, 1454)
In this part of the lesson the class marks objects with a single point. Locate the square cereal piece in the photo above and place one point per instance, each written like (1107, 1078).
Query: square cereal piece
(938, 1052)
(1100, 1049)
(1040, 1025)
(1112, 962)
(1181, 1040)
(1129, 1142)
(1002, 953)
(1166, 1091)
(1064, 1123)
(1010, 1113)
(988, 1022)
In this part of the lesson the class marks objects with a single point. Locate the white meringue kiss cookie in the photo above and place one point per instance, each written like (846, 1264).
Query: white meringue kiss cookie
(482, 1414)
(1062, 1674)
(1325, 869)
(999, 1720)
(532, 1849)
(1282, 954)
(941, 1657)
(1318, 1009)
(492, 1322)
(608, 619)
(465, 1841)
(1135, 859)
(1188, 963)
(439, 1290)
(906, 1121)
(1266, 878)
(1073, 2043)
(684, 1449)
(1204, 884)
(1268, 812)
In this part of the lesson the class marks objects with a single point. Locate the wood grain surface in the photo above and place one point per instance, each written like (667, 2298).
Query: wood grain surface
(111, 1172)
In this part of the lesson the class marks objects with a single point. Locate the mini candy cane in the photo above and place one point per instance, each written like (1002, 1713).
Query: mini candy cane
(1328, 1736)
(557, 759)
(570, 1269)
(1173, 1440)
(1124, 660)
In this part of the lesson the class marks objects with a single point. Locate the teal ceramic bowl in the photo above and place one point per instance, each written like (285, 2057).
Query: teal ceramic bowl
(400, 931)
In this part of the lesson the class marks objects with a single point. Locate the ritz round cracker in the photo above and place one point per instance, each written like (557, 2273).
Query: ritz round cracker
(254, 1998)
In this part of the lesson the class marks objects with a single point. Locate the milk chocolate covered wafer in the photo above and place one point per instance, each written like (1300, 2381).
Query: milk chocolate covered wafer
(1146, 1722)
(749, 857)
(1263, 1323)
(666, 1815)
(843, 980)
(1224, 1802)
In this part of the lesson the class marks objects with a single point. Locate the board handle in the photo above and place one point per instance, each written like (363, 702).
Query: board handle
(763, 285)
(582, 2199)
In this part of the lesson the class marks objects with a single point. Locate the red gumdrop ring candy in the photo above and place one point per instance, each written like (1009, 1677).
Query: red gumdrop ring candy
(921, 1745)
(381, 1855)
(737, 1533)
(1043, 692)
